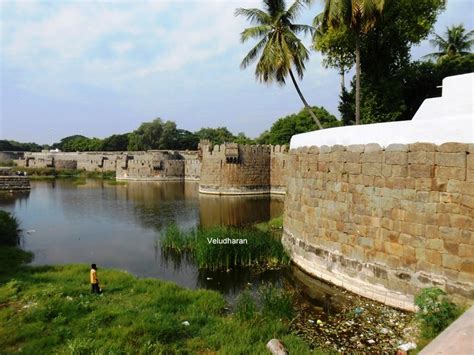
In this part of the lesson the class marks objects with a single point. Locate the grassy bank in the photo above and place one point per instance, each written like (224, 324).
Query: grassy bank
(50, 309)
(42, 173)
(225, 247)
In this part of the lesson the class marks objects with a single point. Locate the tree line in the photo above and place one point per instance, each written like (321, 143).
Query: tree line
(160, 134)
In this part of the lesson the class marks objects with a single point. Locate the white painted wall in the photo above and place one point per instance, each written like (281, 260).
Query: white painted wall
(449, 118)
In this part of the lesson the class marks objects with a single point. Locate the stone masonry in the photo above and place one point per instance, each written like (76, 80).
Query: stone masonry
(158, 165)
(231, 169)
(384, 223)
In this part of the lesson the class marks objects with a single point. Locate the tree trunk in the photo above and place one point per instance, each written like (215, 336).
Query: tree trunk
(357, 53)
(304, 101)
(343, 84)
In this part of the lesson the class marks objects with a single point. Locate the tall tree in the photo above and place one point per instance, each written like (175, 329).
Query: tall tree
(456, 41)
(337, 47)
(358, 16)
(279, 49)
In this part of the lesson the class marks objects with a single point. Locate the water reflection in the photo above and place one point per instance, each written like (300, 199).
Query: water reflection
(90, 220)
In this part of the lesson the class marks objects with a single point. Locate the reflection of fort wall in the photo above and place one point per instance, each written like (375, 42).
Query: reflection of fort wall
(236, 210)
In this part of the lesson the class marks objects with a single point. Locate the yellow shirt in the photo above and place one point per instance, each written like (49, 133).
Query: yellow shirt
(93, 276)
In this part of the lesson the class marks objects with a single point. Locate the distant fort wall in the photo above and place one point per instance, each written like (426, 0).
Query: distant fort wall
(222, 169)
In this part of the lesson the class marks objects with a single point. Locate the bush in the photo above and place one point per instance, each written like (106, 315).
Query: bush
(436, 311)
(8, 229)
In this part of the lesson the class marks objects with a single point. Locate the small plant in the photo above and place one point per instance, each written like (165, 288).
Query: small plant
(8, 229)
(245, 307)
(177, 240)
(436, 311)
(276, 302)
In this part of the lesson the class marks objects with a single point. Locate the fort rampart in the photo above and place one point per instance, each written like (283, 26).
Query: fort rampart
(230, 169)
(384, 223)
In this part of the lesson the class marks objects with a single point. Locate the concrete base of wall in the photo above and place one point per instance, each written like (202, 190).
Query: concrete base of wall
(221, 190)
(308, 259)
(156, 178)
(9, 183)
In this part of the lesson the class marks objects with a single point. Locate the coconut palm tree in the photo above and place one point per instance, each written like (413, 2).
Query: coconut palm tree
(360, 17)
(279, 49)
(457, 41)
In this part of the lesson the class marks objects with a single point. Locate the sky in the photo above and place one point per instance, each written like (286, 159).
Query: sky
(99, 68)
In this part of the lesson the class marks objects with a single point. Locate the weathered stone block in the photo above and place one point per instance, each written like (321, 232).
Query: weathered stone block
(421, 157)
(398, 158)
(399, 170)
(467, 265)
(451, 261)
(470, 175)
(453, 147)
(393, 248)
(426, 147)
(435, 244)
(356, 148)
(420, 171)
(433, 257)
(396, 147)
(451, 159)
(372, 169)
(466, 251)
(445, 172)
(372, 147)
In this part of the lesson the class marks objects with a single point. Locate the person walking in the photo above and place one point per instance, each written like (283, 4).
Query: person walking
(94, 280)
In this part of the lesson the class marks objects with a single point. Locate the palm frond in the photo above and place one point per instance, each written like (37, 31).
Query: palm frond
(305, 29)
(253, 53)
(295, 10)
(254, 32)
(254, 16)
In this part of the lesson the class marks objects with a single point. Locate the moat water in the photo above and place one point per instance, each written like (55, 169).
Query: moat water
(119, 226)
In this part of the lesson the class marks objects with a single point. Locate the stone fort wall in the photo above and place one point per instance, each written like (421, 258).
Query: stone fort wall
(158, 165)
(384, 223)
(88, 161)
(242, 169)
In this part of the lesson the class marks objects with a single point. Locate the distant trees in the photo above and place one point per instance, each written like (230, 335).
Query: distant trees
(116, 142)
(301, 122)
(159, 134)
(6, 145)
(78, 143)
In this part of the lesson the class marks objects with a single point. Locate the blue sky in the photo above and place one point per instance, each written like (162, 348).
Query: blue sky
(97, 68)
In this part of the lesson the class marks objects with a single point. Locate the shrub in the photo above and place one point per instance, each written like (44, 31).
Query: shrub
(8, 229)
(436, 311)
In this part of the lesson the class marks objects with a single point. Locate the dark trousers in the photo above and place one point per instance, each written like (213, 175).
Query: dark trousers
(95, 288)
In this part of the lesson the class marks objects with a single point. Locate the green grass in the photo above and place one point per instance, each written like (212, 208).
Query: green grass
(8, 229)
(275, 224)
(49, 309)
(261, 249)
